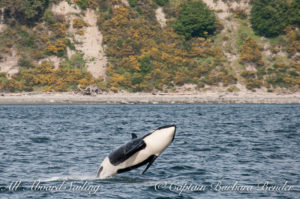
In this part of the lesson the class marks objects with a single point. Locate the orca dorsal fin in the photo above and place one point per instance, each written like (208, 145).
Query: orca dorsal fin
(152, 159)
(133, 136)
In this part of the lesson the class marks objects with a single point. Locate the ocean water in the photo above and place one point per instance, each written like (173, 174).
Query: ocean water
(219, 151)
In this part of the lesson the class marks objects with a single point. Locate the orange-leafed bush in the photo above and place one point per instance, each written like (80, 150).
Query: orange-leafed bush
(251, 52)
(79, 23)
(293, 46)
(239, 13)
(3, 82)
(44, 75)
(248, 74)
(251, 84)
(58, 47)
(59, 30)
(120, 16)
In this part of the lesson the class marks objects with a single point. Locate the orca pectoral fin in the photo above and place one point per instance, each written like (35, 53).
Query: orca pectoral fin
(133, 135)
(99, 171)
(151, 160)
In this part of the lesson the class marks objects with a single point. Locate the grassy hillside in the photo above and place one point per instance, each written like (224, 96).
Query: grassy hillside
(204, 43)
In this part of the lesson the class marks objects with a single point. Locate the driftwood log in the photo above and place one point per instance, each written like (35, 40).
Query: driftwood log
(90, 90)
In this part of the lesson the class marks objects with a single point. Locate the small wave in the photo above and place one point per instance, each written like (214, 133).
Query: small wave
(202, 149)
(125, 179)
(184, 167)
(69, 178)
(40, 139)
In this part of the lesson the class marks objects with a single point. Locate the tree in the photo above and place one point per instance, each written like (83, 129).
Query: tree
(294, 12)
(161, 2)
(195, 20)
(145, 65)
(25, 11)
(132, 3)
(269, 18)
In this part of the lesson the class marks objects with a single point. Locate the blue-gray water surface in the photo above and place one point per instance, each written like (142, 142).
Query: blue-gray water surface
(219, 151)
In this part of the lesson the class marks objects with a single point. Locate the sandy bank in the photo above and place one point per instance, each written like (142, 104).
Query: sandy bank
(147, 98)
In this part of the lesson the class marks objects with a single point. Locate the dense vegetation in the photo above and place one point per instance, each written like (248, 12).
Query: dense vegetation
(143, 56)
(24, 11)
(294, 13)
(269, 18)
(195, 20)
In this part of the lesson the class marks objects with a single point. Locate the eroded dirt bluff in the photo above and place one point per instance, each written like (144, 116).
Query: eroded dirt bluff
(90, 43)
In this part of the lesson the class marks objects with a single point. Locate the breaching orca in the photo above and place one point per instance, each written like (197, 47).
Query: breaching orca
(137, 152)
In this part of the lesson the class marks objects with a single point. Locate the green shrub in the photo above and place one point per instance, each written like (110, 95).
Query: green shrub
(78, 23)
(294, 13)
(239, 13)
(3, 82)
(26, 37)
(145, 65)
(251, 52)
(76, 61)
(195, 20)
(49, 18)
(26, 62)
(248, 74)
(251, 84)
(161, 2)
(71, 45)
(82, 3)
(233, 89)
(26, 11)
(132, 3)
(269, 18)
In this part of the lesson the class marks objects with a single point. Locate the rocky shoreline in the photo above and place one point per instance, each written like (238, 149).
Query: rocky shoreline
(148, 98)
